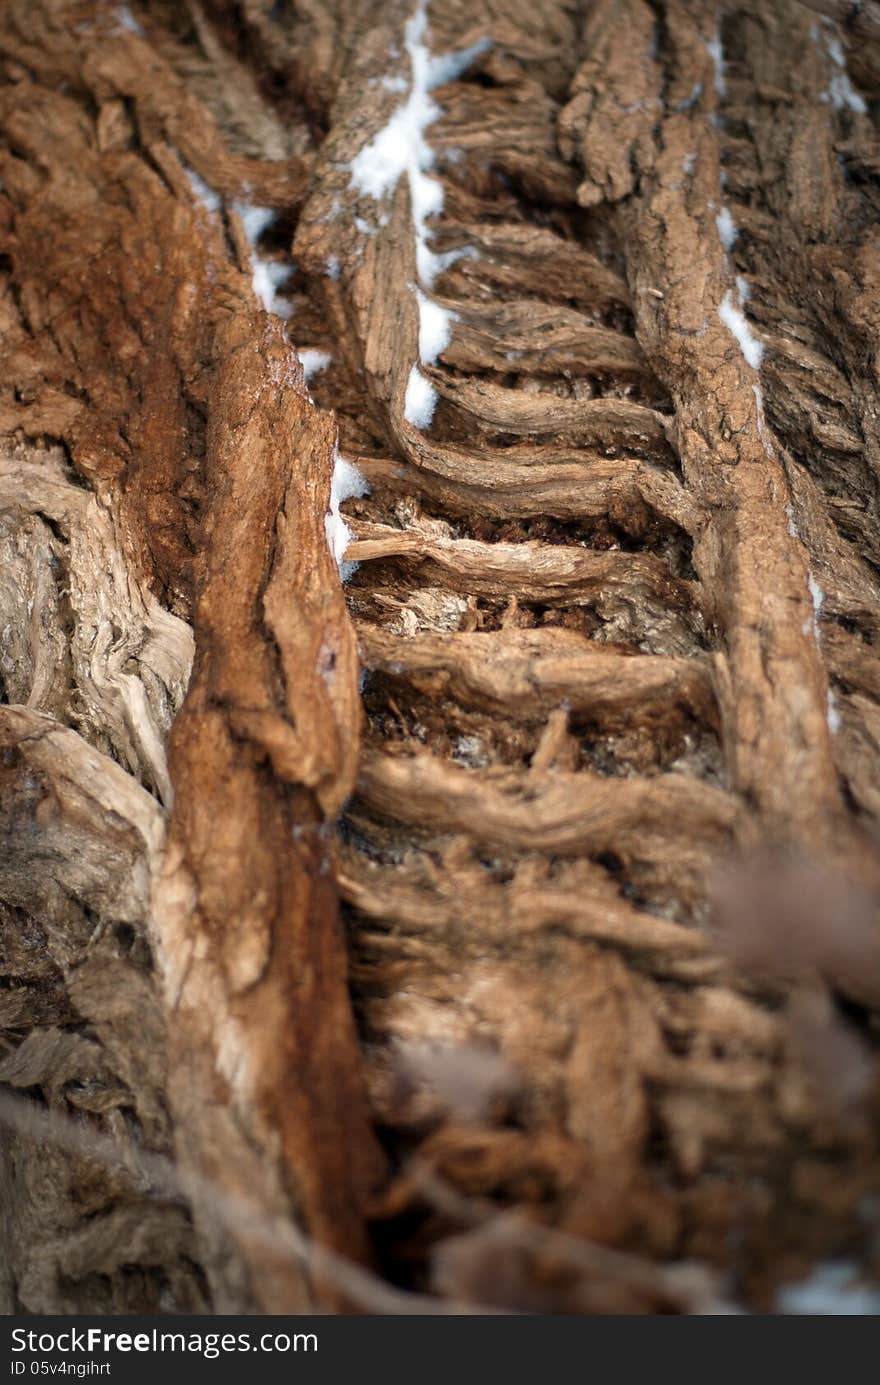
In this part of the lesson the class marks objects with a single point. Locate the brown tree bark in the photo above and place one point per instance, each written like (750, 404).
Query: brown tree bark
(497, 927)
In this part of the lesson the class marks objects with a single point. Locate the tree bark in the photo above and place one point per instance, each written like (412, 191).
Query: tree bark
(496, 920)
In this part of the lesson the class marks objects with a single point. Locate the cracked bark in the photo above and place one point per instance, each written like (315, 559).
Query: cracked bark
(443, 970)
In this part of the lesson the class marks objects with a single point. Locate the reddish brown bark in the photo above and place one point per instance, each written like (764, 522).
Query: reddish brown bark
(617, 609)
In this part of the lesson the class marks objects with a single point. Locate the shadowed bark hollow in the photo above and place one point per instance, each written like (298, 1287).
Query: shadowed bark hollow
(466, 898)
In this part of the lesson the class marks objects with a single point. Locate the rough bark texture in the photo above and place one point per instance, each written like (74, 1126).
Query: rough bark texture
(588, 747)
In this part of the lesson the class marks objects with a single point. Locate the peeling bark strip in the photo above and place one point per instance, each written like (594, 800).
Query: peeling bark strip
(132, 336)
(588, 294)
(265, 1076)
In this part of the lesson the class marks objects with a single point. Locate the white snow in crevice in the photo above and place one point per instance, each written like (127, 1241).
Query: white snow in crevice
(128, 21)
(727, 231)
(691, 101)
(207, 196)
(254, 221)
(435, 328)
(267, 278)
(841, 92)
(446, 67)
(716, 53)
(400, 149)
(730, 310)
(735, 321)
(268, 275)
(345, 483)
(400, 146)
(313, 361)
(420, 400)
(832, 1290)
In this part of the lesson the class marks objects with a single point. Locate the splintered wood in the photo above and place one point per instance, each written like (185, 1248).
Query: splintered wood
(499, 928)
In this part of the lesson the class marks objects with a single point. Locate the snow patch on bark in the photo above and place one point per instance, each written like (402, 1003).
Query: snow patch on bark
(841, 92)
(435, 329)
(716, 53)
(726, 228)
(400, 149)
(128, 21)
(734, 320)
(268, 275)
(346, 482)
(207, 196)
(313, 361)
(420, 400)
(254, 220)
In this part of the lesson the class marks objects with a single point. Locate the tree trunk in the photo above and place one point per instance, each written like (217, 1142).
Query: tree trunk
(467, 899)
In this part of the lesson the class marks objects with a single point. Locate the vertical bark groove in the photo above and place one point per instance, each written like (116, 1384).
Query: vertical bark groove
(431, 903)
